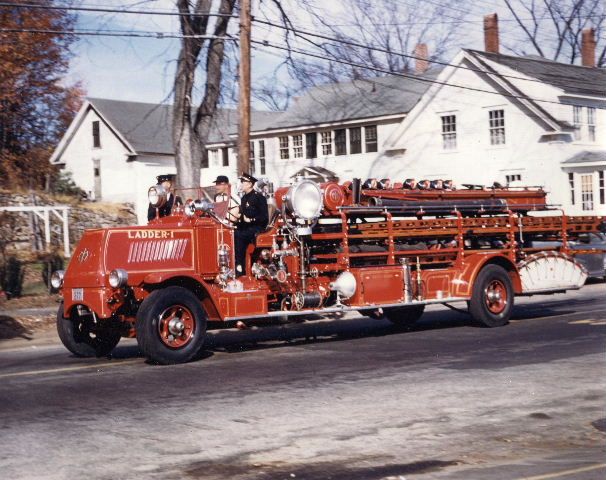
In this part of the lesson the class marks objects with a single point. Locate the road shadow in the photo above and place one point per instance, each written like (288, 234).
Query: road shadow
(318, 330)
(11, 328)
(236, 469)
(325, 331)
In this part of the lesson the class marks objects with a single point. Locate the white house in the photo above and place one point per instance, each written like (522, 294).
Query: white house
(115, 149)
(341, 127)
(517, 120)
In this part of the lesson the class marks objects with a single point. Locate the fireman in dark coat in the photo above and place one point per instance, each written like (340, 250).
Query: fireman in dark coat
(253, 219)
(167, 183)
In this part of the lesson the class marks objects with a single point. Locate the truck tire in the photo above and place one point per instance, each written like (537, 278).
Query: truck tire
(171, 326)
(80, 337)
(404, 316)
(492, 297)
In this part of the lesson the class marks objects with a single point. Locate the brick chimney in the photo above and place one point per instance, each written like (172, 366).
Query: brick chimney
(422, 57)
(491, 33)
(588, 47)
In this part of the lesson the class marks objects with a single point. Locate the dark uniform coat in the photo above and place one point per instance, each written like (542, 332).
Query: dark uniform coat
(253, 206)
(164, 209)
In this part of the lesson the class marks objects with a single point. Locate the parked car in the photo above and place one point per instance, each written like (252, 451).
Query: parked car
(595, 264)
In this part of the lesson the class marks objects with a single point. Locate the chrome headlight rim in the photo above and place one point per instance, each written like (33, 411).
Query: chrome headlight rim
(57, 278)
(156, 195)
(118, 278)
(295, 198)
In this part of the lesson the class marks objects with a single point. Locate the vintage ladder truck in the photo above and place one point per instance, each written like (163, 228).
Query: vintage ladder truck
(329, 248)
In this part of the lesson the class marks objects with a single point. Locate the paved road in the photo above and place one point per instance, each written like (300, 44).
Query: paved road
(349, 399)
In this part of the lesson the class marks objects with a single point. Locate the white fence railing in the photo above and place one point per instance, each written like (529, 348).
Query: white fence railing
(44, 213)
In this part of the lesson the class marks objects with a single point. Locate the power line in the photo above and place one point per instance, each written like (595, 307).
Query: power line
(383, 50)
(113, 33)
(112, 10)
(404, 75)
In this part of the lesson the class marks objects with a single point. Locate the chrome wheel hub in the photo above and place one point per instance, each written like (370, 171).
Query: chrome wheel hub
(176, 326)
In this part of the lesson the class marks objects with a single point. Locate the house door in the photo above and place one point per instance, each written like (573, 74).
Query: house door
(97, 178)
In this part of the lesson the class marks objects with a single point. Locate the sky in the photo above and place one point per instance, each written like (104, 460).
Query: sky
(142, 69)
(139, 69)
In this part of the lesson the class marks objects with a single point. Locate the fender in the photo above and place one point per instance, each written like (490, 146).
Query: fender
(475, 262)
(192, 282)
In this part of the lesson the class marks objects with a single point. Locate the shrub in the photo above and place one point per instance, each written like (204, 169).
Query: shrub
(11, 277)
(50, 264)
(65, 185)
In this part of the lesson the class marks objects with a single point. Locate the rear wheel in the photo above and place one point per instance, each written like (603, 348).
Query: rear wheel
(171, 326)
(492, 297)
(85, 337)
(404, 316)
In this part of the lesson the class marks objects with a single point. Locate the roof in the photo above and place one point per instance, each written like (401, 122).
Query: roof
(358, 99)
(147, 126)
(597, 156)
(572, 79)
(322, 173)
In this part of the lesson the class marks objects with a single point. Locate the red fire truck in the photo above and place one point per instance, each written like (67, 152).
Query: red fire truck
(329, 248)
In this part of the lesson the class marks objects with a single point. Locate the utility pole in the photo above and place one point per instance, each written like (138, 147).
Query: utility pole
(244, 86)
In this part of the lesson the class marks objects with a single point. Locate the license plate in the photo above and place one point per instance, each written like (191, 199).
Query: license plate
(77, 294)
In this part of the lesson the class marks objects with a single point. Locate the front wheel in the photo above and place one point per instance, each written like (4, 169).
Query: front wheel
(171, 326)
(85, 337)
(492, 297)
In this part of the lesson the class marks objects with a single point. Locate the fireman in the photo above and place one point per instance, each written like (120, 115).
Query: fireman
(167, 183)
(253, 219)
(223, 194)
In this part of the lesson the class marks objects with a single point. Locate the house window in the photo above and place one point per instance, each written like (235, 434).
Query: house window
(355, 140)
(591, 123)
(284, 155)
(205, 159)
(601, 185)
(326, 140)
(297, 146)
(262, 157)
(225, 156)
(496, 119)
(449, 132)
(571, 185)
(251, 158)
(516, 177)
(370, 138)
(96, 135)
(577, 113)
(340, 142)
(587, 191)
(311, 145)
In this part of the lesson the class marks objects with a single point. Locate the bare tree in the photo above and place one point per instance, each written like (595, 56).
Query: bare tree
(373, 34)
(191, 128)
(552, 28)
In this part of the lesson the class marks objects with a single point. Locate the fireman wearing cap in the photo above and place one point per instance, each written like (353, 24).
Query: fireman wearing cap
(253, 219)
(223, 195)
(167, 182)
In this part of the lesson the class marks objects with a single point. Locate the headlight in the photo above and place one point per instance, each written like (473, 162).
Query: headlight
(304, 199)
(57, 279)
(156, 196)
(118, 278)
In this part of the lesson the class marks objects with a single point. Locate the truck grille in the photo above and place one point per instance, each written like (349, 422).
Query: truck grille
(157, 251)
